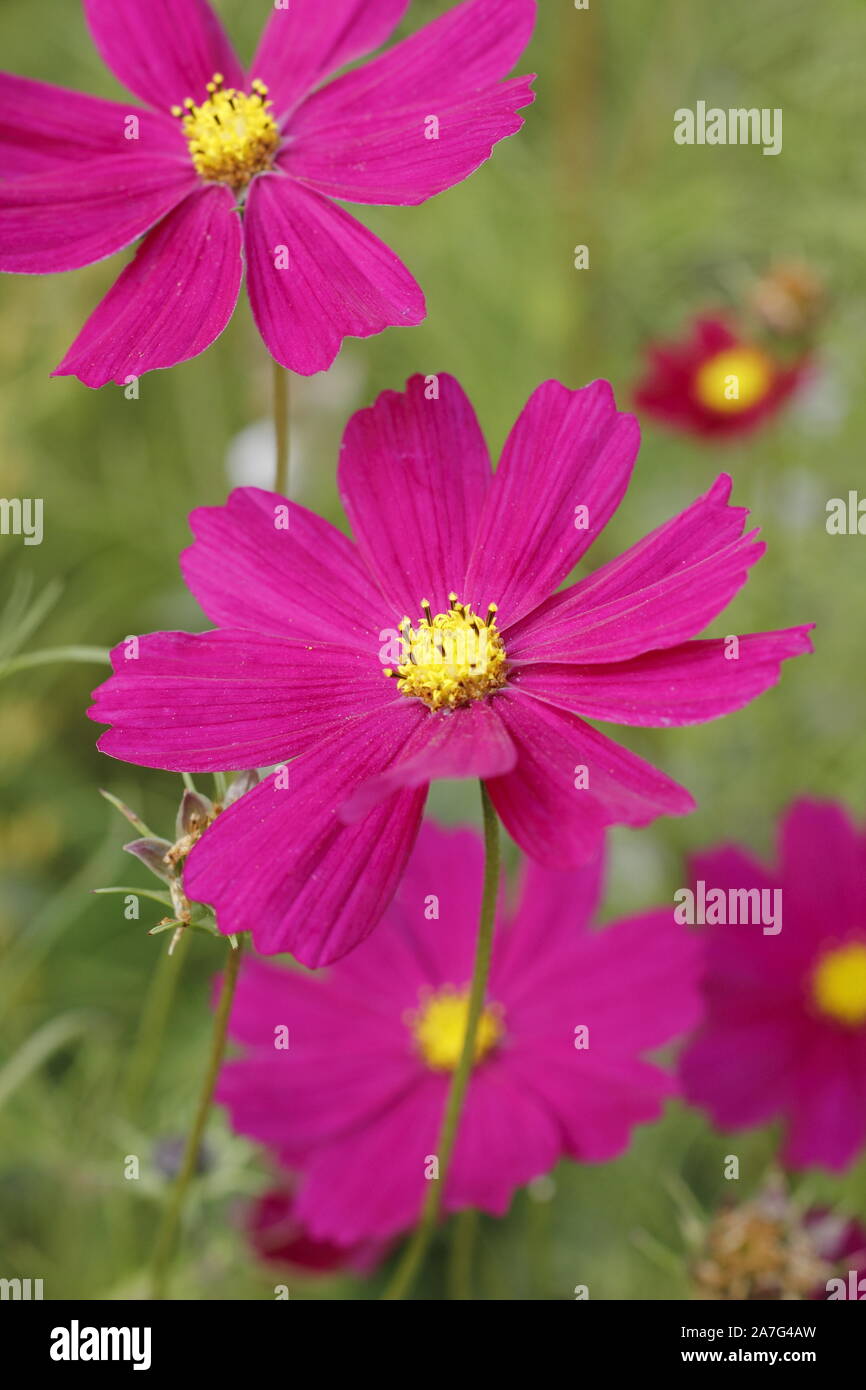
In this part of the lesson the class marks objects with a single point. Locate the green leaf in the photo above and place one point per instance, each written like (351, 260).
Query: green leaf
(164, 899)
(93, 655)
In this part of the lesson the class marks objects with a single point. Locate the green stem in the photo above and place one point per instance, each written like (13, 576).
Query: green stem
(98, 656)
(538, 1241)
(417, 1248)
(167, 1237)
(281, 429)
(154, 1017)
(465, 1226)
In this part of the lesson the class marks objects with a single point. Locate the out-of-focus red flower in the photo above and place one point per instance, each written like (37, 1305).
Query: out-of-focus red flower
(716, 383)
(279, 1238)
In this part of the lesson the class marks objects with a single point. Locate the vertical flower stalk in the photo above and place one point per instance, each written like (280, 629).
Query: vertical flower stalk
(167, 1236)
(462, 1250)
(154, 1019)
(417, 1248)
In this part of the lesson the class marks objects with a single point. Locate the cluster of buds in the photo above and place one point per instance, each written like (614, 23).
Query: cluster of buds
(165, 858)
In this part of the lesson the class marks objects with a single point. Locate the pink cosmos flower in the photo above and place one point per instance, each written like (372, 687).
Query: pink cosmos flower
(355, 1100)
(436, 646)
(785, 1034)
(279, 1238)
(222, 165)
(715, 384)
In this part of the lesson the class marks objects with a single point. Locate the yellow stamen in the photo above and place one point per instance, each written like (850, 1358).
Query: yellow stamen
(439, 1028)
(734, 380)
(232, 136)
(451, 659)
(839, 984)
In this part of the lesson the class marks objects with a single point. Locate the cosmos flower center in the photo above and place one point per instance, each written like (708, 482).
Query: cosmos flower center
(734, 380)
(839, 984)
(439, 1028)
(452, 658)
(232, 136)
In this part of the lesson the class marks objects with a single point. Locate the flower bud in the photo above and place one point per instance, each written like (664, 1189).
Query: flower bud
(152, 854)
(194, 814)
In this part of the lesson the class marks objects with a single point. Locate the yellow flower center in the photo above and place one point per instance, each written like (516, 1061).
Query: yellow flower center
(439, 1028)
(232, 136)
(839, 984)
(451, 659)
(734, 380)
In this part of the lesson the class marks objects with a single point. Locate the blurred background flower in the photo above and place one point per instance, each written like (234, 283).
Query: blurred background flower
(785, 1034)
(279, 1238)
(715, 383)
(772, 1247)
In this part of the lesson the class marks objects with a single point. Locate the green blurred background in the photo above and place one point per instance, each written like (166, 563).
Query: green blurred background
(670, 230)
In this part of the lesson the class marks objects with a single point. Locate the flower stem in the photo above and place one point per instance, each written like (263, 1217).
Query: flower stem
(417, 1248)
(166, 1239)
(465, 1230)
(281, 430)
(97, 655)
(154, 1017)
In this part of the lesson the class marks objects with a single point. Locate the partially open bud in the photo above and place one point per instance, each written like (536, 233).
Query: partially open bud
(243, 783)
(194, 814)
(152, 853)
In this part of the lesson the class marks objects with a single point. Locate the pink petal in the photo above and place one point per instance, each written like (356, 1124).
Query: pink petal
(680, 685)
(662, 591)
(42, 126)
(165, 50)
(304, 579)
(504, 1116)
(56, 221)
(230, 699)
(567, 449)
(422, 943)
(308, 40)
(413, 476)
(299, 1102)
(318, 1011)
(553, 913)
(731, 867)
(171, 301)
(740, 959)
(596, 979)
(551, 819)
(316, 276)
(280, 864)
(827, 1118)
(366, 136)
(744, 1074)
(598, 1102)
(470, 742)
(389, 157)
(823, 872)
(381, 1189)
